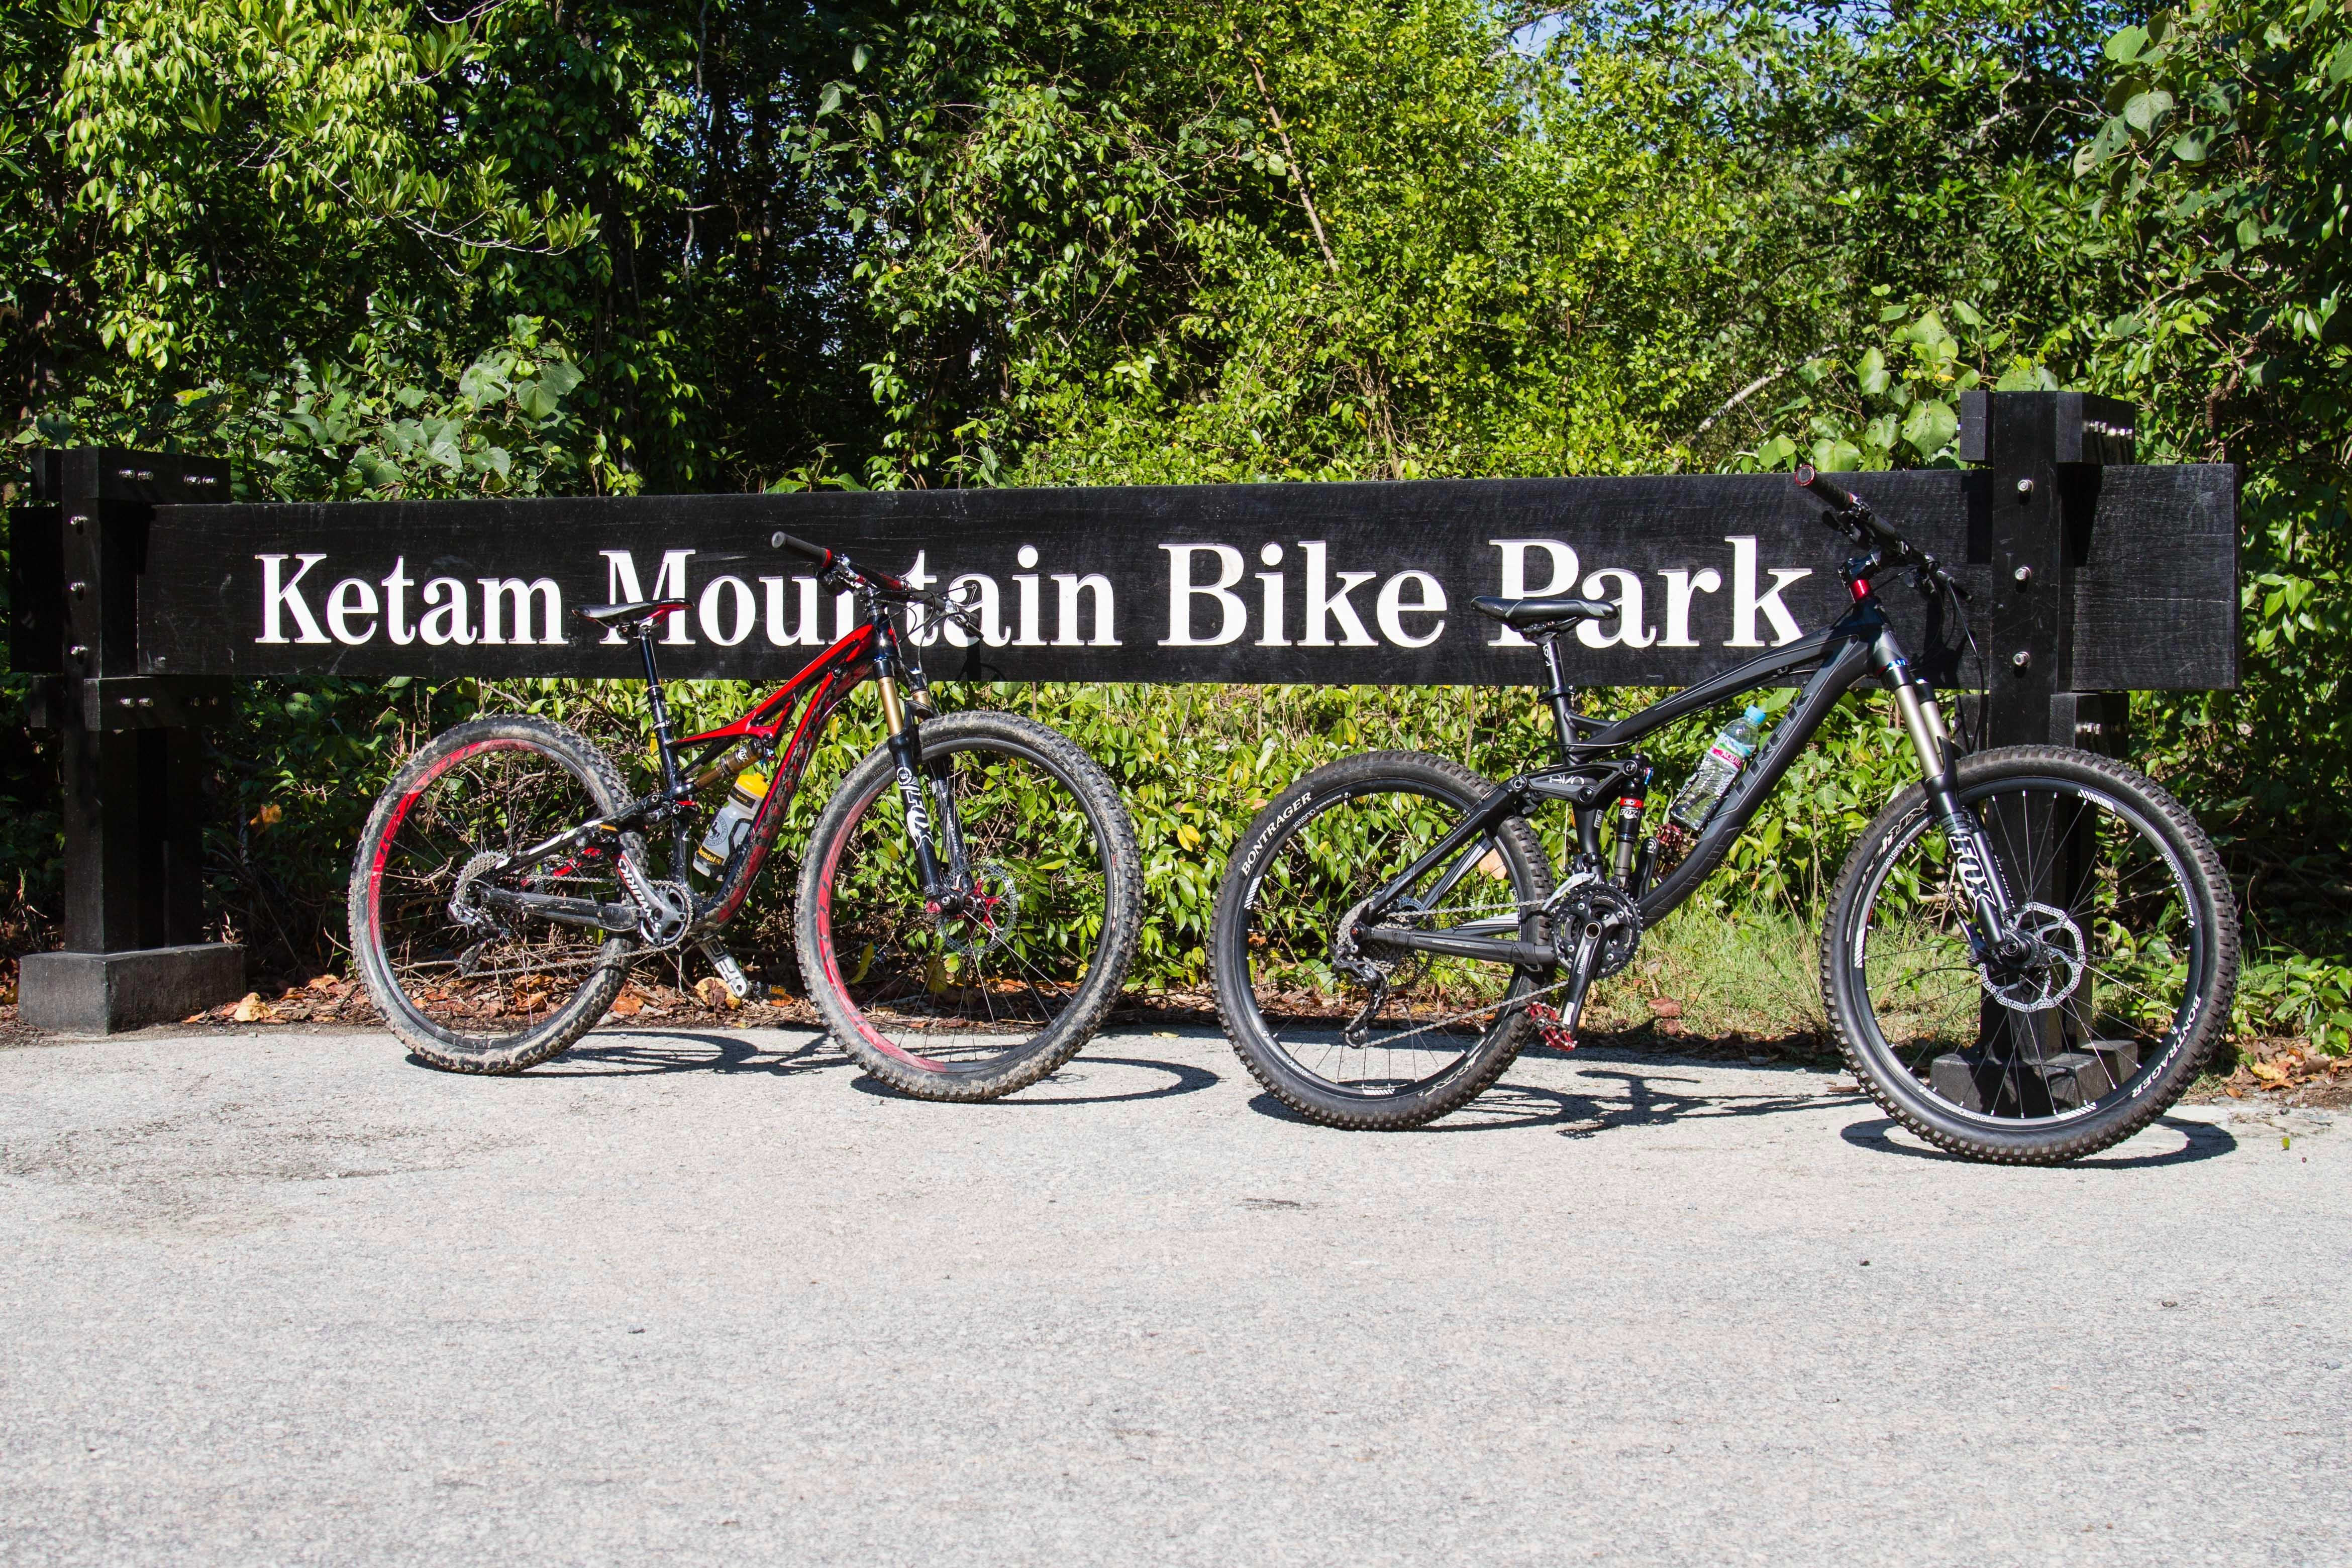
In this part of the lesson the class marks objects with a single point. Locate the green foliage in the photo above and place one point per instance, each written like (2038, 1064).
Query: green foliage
(618, 245)
(375, 424)
(2300, 996)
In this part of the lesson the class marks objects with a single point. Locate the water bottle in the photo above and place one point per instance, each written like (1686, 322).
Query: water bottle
(732, 825)
(1732, 749)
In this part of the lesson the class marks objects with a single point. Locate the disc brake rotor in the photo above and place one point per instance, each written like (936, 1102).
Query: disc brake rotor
(2049, 972)
(985, 922)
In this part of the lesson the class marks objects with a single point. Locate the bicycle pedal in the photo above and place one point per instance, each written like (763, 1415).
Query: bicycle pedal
(1555, 1034)
(730, 973)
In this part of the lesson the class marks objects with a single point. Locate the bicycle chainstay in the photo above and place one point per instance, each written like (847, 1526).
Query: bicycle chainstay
(1531, 1003)
(632, 878)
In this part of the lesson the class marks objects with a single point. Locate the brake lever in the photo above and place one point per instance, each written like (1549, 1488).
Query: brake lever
(964, 614)
(1930, 576)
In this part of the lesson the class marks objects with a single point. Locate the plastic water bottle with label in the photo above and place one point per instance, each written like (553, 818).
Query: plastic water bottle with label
(1734, 745)
(733, 823)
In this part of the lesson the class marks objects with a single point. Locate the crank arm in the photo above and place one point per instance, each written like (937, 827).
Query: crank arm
(1586, 959)
(1457, 944)
(620, 918)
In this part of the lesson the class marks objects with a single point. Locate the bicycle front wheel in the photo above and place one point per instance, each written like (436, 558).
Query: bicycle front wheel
(2122, 968)
(1008, 981)
(471, 982)
(1436, 1031)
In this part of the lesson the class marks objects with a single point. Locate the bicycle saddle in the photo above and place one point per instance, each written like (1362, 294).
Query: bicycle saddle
(634, 610)
(1523, 612)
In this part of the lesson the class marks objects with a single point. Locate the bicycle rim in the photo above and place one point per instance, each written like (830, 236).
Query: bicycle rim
(960, 995)
(2096, 1016)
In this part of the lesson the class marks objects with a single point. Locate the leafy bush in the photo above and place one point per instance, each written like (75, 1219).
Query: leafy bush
(615, 247)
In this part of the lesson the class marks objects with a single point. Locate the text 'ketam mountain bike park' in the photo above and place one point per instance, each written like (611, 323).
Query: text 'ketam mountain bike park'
(1339, 582)
(1409, 609)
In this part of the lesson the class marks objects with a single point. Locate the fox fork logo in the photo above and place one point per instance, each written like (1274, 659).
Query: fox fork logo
(910, 790)
(1968, 861)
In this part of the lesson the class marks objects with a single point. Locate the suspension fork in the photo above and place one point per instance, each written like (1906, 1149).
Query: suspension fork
(1990, 899)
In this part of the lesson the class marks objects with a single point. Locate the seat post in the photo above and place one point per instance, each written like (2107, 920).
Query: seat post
(654, 700)
(1562, 715)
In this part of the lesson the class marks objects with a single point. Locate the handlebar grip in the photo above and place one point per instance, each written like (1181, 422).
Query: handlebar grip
(1809, 479)
(818, 553)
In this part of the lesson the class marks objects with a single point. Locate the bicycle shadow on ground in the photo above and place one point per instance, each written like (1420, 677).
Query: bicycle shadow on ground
(1184, 1078)
(634, 1053)
(1649, 1095)
(2199, 1140)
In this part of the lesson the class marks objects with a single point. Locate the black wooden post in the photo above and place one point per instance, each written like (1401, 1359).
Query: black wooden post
(2029, 516)
(132, 758)
(2030, 511)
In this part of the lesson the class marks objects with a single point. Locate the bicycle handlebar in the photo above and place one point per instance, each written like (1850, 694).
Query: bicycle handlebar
(1810, 478)
(1852, 515)
(818, 553)
(832, 562)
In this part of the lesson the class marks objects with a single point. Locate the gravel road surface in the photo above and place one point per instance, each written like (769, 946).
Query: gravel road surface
(715, 1297)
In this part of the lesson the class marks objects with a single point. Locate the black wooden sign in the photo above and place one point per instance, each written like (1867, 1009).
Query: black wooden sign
(1269, 582)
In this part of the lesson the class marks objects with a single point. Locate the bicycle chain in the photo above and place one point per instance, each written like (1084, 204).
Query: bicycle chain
(1520, 1003)
(640, 888)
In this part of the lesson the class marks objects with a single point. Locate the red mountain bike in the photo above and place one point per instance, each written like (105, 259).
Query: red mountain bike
(961, 941)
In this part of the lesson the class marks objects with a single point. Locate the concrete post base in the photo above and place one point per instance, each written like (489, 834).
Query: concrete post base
(106, 993)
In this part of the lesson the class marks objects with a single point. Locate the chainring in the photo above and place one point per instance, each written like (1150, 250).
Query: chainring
(1621, 923)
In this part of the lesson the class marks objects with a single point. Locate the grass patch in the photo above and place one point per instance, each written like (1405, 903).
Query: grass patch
(1716, 976)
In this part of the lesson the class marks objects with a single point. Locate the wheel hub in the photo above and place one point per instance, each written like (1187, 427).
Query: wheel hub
(979, 920)
(2048, 962)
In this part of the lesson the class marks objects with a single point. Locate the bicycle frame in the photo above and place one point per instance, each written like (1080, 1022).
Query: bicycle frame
(1599, 771)
(874, 650)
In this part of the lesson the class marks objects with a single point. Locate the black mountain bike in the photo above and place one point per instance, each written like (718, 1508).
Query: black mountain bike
(970, 900)
(2025, 957)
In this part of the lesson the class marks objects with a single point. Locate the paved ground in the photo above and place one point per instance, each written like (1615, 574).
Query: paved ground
(295, 1299)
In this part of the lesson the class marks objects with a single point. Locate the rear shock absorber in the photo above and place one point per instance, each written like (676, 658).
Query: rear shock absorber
(1629, 837)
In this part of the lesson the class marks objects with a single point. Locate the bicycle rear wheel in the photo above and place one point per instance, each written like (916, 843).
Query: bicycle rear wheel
(468, 985)
(988, 997)
(2121, 984)
(1314, 854)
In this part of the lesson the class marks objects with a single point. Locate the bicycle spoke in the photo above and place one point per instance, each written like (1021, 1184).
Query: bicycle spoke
(958, 991)
(2109, 901)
